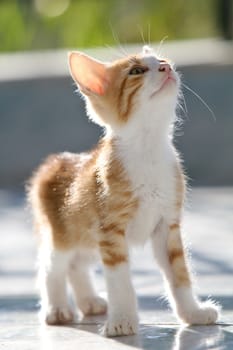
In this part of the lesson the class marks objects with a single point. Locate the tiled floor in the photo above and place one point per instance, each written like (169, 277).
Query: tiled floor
(209, 232)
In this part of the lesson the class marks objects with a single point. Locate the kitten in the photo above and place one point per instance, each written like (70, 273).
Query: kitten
(130, 188)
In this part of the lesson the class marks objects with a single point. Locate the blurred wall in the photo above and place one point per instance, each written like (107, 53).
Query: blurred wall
(44, 115)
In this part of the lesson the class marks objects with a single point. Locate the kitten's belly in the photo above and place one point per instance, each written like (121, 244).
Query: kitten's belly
(153, 184)
(152, 207)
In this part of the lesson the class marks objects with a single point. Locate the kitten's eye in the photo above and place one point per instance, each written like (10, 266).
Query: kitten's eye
(137, 70)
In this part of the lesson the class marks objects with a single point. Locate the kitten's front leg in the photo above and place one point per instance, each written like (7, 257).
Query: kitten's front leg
(169, 253)
(122, 317)
(122, 303)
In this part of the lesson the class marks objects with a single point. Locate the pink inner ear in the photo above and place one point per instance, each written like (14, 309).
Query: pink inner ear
(90, 74)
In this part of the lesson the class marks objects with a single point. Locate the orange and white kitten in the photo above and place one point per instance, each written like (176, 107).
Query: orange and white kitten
(130, 188)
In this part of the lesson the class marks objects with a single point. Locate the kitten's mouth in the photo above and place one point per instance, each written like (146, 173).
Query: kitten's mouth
(170, 79)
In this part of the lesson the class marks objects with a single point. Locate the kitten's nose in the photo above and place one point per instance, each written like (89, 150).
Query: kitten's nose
(164, 67)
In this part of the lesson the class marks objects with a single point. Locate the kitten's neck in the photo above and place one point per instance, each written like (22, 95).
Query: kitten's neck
(144, 148)
(152, 134)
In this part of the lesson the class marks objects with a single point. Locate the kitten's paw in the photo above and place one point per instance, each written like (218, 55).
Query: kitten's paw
(207, 313)
(93, 306)
(121, 324)
(59, 315)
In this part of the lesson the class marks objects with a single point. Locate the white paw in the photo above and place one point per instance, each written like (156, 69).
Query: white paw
(207, 313)
(93, 306)
(121, 324)
(59, 315)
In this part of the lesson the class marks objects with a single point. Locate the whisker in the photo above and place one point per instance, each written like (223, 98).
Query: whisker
(201, 100)
(184, 105)
(116, 52)
(117, 41)
(158, 51)
(148, 34)
(142, 34)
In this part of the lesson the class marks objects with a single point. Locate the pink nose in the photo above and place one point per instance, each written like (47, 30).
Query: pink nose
(164, 67)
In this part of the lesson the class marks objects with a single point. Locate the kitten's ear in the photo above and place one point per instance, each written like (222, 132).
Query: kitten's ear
(89, 74)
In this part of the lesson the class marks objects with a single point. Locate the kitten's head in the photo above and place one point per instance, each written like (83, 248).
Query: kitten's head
(132, 88)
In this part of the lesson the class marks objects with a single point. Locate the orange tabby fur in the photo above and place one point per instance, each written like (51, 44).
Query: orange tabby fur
(72, 198)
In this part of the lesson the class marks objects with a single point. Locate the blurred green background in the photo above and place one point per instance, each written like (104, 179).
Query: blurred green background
(51, 24)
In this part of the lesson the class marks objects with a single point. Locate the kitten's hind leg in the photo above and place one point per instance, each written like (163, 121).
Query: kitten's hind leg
(53, 265)
(81, 281)
(169, 252)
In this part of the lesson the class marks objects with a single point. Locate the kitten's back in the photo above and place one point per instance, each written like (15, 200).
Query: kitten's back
(56, 194)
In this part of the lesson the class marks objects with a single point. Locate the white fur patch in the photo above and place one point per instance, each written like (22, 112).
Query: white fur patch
(123, 318)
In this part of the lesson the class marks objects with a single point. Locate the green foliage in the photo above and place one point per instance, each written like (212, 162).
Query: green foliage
(98, 22)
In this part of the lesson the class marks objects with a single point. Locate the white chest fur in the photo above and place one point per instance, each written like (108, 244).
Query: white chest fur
(151, 173)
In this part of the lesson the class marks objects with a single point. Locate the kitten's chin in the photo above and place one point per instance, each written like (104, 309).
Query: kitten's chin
(169, 86)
